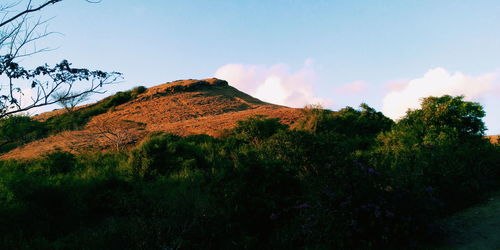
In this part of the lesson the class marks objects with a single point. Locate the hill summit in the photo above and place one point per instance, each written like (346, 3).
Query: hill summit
(184, 107)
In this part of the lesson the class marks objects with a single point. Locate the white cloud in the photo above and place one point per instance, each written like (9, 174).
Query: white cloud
(354, 88)
(274, 84)
(397, 85)
(435, 82)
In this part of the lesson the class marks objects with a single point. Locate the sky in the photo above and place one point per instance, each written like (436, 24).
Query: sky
(388, 54)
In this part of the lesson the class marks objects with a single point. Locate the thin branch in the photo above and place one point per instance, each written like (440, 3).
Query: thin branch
(27, 11)
(49, 85)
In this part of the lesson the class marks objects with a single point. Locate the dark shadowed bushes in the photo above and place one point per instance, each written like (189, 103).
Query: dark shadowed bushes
(256, 129)
(163, 154)
(17, 130)
(441, 146)
(58, 162)
(351, 179)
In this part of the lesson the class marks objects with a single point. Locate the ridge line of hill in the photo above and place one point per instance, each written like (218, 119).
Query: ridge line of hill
(183, 107)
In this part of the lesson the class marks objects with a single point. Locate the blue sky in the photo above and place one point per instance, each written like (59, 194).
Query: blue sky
(337, 53)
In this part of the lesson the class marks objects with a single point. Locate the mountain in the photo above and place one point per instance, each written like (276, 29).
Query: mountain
(494, 139)
(185, 107)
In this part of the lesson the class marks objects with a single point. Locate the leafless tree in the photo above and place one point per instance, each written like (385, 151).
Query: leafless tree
(70, 103)
(118, 133)
(24, 89)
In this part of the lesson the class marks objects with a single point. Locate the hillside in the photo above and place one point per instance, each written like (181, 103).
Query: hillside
(183, 107)
(350, 179)
(494, 139)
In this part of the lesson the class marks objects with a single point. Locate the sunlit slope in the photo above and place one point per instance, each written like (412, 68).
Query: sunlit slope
(184, 107)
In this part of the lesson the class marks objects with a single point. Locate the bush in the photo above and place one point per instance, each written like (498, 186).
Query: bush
(17, 130)
(58, 162)
(314, 119)
(440, 146)
(163, 154)
(138, 90)
(341, 180)
(258, 128)
(252, 197)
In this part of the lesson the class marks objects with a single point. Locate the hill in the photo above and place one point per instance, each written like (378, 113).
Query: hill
(184, 107)
(494, 139)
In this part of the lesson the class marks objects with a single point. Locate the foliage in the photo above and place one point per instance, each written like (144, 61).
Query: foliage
(350, 179)
(78, 118)
(17, 130)
(57, 162)
(70, 103)
(164, 154)
(348, 121)
(447, 114)
(138, 90)
(19, 29)
(256, 129)
(314, 119)
(441, 146)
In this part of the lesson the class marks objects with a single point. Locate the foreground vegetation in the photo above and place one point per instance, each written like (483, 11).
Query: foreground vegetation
(351, 179)
(473, 228)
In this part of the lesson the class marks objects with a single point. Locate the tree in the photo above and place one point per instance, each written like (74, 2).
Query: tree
(442, 122)
(439, 145)
(447, 114)
(119, 133)
(19, 32)
(70, 103)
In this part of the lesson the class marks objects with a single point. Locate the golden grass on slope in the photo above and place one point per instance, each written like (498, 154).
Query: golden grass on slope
(494, 139)
(183, 107)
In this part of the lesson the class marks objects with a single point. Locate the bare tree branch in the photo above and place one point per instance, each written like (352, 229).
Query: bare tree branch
(118, 133)
(49, 85)
(27, 11)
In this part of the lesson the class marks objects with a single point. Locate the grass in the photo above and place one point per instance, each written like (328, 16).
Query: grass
(77, 119)
(209, 111)
(474, 228)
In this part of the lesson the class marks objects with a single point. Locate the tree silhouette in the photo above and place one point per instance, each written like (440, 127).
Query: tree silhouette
(23, 89)
(70, 103)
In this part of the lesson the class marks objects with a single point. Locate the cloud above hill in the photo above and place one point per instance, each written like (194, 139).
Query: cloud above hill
(353, 88)
(436, 82)
(275, 84)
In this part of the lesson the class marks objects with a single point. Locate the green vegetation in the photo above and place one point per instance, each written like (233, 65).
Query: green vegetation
(18, 130)
(473, 228)
(77, 119)
(351, 179)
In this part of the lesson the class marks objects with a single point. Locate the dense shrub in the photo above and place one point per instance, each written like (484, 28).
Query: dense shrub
(58, 162)
(163, 154)
(253, 198)
(256, 129)
(314, 119)
(440, 146)
(138, 90)
(17, 130)
(357, 127)
(350, 179)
